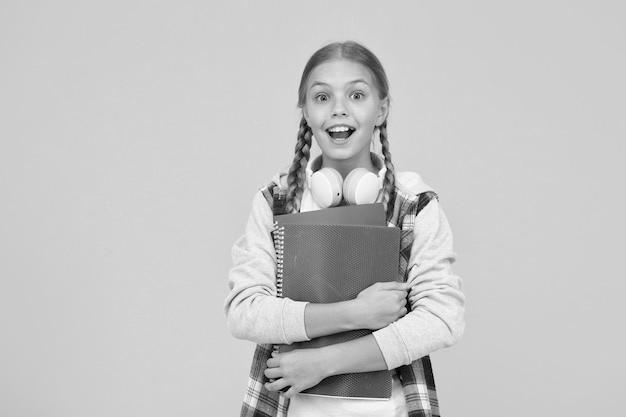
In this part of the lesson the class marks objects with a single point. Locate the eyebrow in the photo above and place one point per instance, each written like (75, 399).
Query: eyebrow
(323, 84)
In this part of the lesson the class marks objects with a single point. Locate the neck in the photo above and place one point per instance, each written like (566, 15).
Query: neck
(345, 167)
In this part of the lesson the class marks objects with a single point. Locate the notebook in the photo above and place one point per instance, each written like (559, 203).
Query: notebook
(363, 214)
(325, 263)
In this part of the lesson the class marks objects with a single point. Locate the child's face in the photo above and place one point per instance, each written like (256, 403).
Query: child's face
(342, 108)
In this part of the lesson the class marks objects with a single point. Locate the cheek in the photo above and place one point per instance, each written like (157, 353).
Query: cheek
(371, 118)
(321, 144)
(315, 120)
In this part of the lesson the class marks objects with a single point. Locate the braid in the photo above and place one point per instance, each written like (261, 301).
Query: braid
(390, 178)
(296, 176)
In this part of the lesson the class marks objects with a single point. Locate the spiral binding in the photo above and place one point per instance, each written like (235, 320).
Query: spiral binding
(278, 233)
(279, 245)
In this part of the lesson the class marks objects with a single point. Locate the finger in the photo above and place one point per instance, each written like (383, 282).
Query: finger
(396, 295)
(400, 293)
(273, 373)
(291, 392)
(273, 363)
(277, 385)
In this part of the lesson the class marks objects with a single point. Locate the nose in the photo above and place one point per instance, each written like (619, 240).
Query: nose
(339, 109)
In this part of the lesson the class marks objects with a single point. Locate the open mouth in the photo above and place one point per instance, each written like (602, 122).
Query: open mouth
(340, 132)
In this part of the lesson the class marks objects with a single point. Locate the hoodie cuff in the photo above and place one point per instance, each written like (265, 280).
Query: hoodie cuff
(294, 329)
(392, 346)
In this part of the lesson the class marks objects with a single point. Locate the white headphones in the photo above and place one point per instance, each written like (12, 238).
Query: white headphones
(360, 187)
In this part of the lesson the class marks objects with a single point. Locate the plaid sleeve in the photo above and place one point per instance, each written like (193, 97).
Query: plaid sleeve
(258, 401)
(420, 392)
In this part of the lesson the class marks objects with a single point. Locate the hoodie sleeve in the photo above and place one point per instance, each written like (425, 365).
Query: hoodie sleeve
(436, 319)
(252, 309)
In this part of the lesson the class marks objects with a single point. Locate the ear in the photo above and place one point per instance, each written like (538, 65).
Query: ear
(305, 113)
(384, 111)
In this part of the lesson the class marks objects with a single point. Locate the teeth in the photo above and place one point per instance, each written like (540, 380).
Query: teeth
(339, 129)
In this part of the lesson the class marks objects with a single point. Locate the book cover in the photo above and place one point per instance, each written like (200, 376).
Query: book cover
(326, 263)
(363, 214)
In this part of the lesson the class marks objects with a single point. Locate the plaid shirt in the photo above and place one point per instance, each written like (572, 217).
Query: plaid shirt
(417, 378)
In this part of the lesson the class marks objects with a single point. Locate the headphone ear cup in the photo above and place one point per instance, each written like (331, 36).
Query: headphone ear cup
(361, 187)
(326, 187)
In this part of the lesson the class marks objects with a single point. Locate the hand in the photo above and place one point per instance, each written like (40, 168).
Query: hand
(380, 304)
(299, 369)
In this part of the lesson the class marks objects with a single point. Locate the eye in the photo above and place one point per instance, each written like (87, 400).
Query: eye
(321, 97)
(357, 95)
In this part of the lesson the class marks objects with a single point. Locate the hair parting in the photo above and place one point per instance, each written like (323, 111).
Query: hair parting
(351, 51)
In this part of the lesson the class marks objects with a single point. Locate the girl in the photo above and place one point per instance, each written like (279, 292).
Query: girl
(344, 97)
